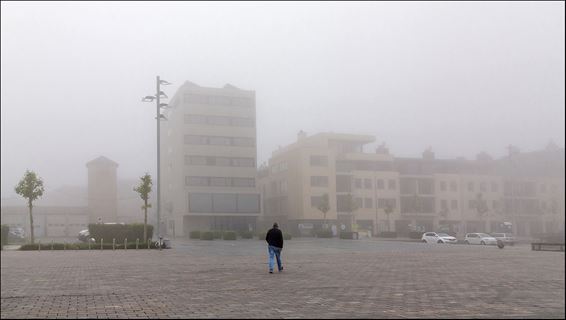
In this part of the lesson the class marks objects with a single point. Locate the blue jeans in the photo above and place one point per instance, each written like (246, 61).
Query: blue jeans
(274, 252)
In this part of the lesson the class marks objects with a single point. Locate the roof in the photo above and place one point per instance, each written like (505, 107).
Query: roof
(102, 161)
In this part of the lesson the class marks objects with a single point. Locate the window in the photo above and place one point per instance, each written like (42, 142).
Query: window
(243, 142)
(200, 202)
(220, 182)
(493, 186)
(195, 99)
(219, 141)
(442, 185)
(367, 183)
(318, 161)
(483, 187)
(248, 203)
(368, 203)
(316, 201)
(223, 202)
(196, 181)
(380, 184)
(453, 186)
(454, 204)
(495, 204)
(219, 100)
(243, 162)
(243, 182)
(443, 204)
(242, 122)
(242, 102)
(426, 186)
(191, 139)
(195, 160)
(470, 186)
(359, 202)
(392, 184)
(383, 203)
(195, 119)
(218, 120)
(222, 161)
(358, 183)
(319, 181)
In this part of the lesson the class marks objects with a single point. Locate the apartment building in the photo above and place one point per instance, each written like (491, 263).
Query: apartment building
(523, 191)
(208, 161)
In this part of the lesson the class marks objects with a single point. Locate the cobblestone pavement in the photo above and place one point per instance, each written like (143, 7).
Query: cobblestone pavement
(323, 278)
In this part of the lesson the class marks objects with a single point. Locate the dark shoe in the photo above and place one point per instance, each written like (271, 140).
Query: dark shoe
(270, 271)
(280, 270)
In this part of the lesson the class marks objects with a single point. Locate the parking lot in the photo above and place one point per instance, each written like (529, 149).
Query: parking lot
(323, 278)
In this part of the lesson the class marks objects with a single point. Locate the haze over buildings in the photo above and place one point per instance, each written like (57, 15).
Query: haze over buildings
(459, 77)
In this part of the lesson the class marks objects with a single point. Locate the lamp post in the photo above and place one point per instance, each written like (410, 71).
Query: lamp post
(158, 117)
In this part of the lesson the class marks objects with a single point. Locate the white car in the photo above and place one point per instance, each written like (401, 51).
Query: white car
(433, 237)
(480, 238)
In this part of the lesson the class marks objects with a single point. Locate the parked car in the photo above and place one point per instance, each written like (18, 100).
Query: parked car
(507, 238)
(16, 234)
(84, 235)
(480, 238)
(433, 237)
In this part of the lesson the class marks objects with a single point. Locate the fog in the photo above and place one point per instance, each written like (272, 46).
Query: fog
(459, 77)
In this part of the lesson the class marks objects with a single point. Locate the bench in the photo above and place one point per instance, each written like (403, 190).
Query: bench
(544, 246)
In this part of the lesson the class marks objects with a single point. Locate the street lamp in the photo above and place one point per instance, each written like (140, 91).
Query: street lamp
(158, 95)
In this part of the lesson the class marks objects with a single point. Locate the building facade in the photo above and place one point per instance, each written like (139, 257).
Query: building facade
(521, 193)
(208, 162)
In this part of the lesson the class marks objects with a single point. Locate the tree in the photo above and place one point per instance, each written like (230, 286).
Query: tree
(31, 188)
(324, 207)
(144, 189)
(480, 205)
(388, 210)
(351, 205)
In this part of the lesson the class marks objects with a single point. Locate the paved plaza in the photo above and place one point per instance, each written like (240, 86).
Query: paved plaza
(323, 278)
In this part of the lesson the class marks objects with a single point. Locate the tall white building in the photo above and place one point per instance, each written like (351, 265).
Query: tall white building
(208, 160)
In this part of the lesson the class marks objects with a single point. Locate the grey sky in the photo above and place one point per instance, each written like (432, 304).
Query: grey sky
(460, 77)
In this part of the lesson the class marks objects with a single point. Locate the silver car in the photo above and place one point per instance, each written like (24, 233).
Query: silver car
(480, 238)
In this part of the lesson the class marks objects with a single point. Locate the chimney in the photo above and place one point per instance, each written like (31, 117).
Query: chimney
(428, 154)
(301, 135)
(382, 149)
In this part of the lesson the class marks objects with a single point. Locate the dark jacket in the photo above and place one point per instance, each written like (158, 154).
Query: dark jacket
(274, 237)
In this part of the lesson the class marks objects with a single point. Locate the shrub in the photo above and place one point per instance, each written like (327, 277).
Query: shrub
(84, 246)
(207, 235)
(416, 235)
(118, 232)
(287, 236)
(348, 235)
(5, 231)
(229, 235)
(246, 234)
(387, 234)
(324, 234)
(194, 235)
(217, 234)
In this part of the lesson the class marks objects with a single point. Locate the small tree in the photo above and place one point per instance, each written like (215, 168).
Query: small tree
(31, 188)
(144, 189)
(388, 210)
(351, 205)
(324, 207)
(480, 205)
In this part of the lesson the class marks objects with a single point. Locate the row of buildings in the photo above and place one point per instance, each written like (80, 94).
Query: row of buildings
(211, 180)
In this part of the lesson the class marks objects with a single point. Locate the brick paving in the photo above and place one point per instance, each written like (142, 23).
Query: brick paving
(323, 278)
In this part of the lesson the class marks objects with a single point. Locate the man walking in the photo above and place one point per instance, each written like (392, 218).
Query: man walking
(274, 238)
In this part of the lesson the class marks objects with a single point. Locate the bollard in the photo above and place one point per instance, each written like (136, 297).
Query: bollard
(38, 245)
(51, 245)
(125, 243)
(101, 243)
(113, 243)
(137, 243)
